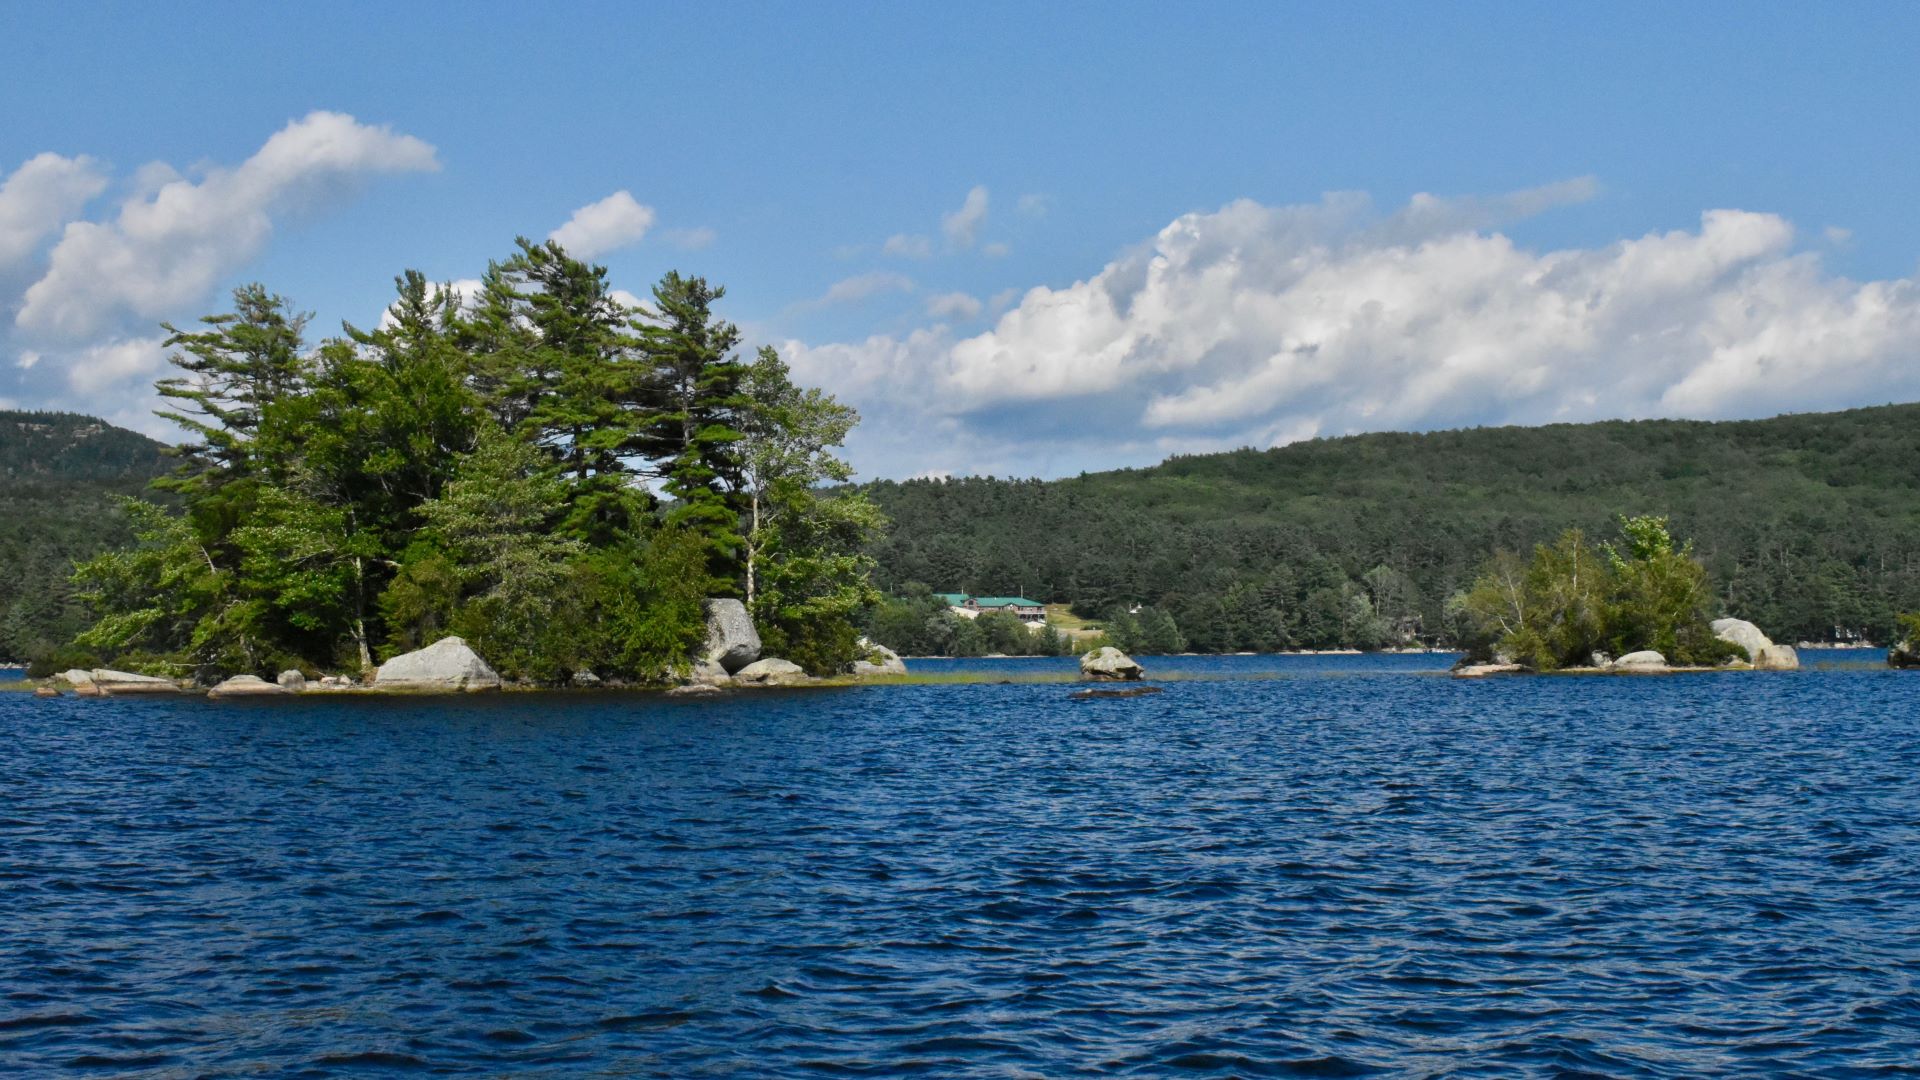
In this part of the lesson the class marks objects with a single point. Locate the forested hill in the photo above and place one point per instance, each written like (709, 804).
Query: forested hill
(58, 475)
(1808, 523)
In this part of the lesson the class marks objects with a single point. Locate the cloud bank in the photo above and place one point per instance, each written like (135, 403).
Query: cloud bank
(617, 221)
(171, 247)
(40, 197)
(83, 311)
(1259, 325)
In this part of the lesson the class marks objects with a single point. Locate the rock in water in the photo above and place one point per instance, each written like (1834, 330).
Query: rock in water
(125, 682)
(732, 642)
(1131, 691)
(1644, 660)
(771, 672)
(1481, 671)
(292, 681)
(693, 690)
(1744, 634)
(877, 660)
(1904, 654)
(445, 666)
(45, 691)
(1109, 663)
(247, 686)
(1777, 658)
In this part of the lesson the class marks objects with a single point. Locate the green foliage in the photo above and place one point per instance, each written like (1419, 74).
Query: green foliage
(697, 407)
(1907, 628)
(1810, 524)
(918, 623)
(1573, 600)
(480, 469)
(61, 476)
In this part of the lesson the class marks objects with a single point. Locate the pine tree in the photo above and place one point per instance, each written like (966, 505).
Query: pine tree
(696, 409)
(249, 358)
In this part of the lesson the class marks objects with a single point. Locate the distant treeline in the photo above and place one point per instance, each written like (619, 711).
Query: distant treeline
(59, 475)
(1808, 525)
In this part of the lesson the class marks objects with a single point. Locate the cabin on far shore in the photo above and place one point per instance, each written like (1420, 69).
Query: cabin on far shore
(971, 607)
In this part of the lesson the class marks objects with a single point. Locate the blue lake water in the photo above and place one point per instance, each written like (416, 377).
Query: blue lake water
(1278, 866)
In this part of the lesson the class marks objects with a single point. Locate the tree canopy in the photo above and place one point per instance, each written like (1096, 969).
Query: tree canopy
(555, 476)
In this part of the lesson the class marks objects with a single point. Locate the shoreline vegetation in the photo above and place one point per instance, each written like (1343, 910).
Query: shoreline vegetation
(542, 483)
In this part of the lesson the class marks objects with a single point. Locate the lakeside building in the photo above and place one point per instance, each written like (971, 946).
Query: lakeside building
(971, 607)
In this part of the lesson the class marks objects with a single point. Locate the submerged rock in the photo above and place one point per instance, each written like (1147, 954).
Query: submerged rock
(693, 690)
(292, 681)
(1109, 663)
(446, 666)
(877, 660)
(1742, 633)
(45, 691)
(1644, 660)
(732, 642)
(771, 672)
(1131, 691)
(247, 686)
(1481, 671)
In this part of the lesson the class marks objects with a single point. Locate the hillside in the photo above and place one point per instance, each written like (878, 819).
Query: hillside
(1809, 522)
(58, 475)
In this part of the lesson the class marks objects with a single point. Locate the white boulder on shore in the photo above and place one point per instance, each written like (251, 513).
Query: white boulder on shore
(292, 681)
(1761, 652)
(446, 666)
(732, 641)
(247, 686)
(877, 660)
(125, 682)
(771, 672)
(1742, 633)
(1110, 664)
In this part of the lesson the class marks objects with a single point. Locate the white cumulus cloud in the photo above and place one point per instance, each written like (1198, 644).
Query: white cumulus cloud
(908, 246)
(963, 225)
(129, 361)
(1258, 325)
(617, 221)
(953, 305)
(41, 196)
(861, 286)
(172, 243)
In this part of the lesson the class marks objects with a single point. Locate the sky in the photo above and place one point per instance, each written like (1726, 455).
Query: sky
(1025, 240)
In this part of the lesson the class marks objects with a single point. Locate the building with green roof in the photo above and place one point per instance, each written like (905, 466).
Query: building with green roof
(1021, 607)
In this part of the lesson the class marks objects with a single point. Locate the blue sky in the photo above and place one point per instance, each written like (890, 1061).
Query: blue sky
(777, 148)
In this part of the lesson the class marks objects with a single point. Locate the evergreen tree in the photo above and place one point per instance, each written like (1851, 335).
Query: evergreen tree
(246, 360)
(695, 410)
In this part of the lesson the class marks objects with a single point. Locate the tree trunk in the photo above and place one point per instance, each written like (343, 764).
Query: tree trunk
(753, 545)
(359, 615)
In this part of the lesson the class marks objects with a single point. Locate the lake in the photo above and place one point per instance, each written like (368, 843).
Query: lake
(1331, 865)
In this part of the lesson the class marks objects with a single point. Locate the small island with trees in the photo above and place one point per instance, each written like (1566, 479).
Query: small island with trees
(560, 480)
(536, 480)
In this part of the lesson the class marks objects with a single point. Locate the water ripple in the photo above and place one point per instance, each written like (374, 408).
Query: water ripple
(1299, 868)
